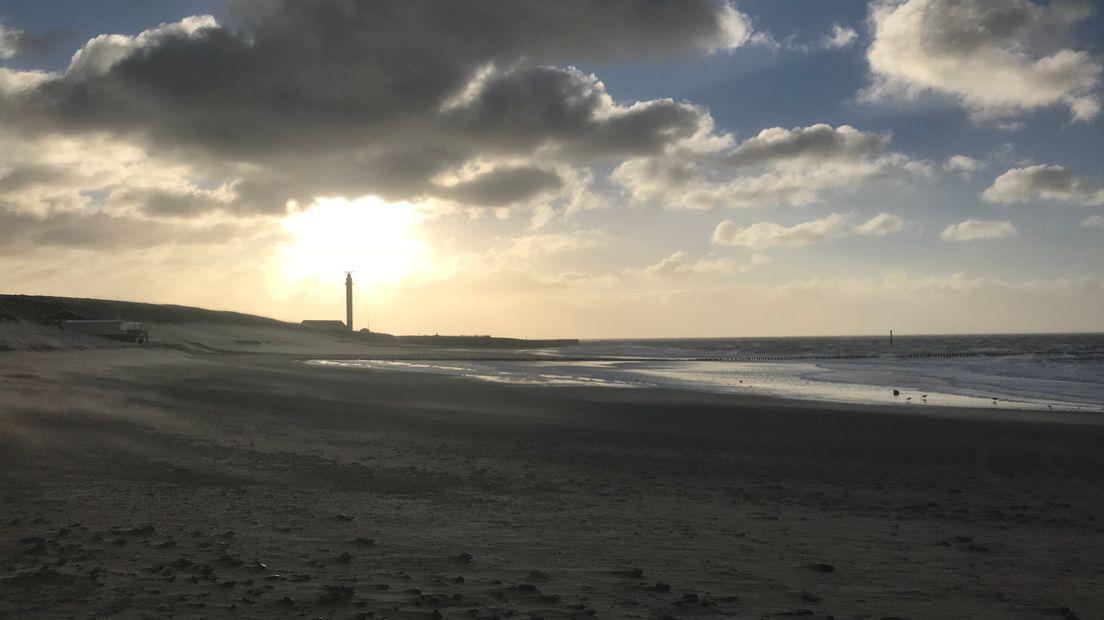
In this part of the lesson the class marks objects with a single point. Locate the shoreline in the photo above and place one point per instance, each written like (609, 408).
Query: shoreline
(806, 385)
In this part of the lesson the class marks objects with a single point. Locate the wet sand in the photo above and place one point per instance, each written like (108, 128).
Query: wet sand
(166, 483)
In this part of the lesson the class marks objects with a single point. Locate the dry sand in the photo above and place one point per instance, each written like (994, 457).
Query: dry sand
(220, 476)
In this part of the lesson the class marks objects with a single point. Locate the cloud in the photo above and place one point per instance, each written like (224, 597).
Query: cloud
(502, 186)
(568, 113)
(1094, 221)
(840, 37)
(777, 166)
(816, 143)
(965, 166)
(769, 234)
(679, 264)
(186, 202)
(13, 82)
(881, 225)
(998, 59)
(101, 53)
(833, 226)
(1044, 182)
(530, 247)
(10, 41)
(21, 232)
(61, 173)
(302, 99)
(977, 230)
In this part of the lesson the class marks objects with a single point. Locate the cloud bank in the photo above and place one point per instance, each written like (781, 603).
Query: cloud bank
(392, 98)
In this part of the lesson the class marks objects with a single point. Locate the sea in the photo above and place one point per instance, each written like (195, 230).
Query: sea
(1063, 372)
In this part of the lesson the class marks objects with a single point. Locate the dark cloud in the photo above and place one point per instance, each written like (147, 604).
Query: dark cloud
(503, 186)
(526, 108)
(21, 177)
(341, 97)
(168, 204)
(22, 232)
(818, 142)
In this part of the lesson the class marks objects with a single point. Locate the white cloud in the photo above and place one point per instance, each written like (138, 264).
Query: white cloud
(1094, 221)
(12, 81)
(816, 143)
(1044, 182)
(977, 230)
(103, 51)
(833, 226)
(679, 263)
(997, 58)
(881, 225)
(735, 29)
(840, 37)
(9, 41)
(966, 166)
(777, 166)
(59, 173)
(769, 234)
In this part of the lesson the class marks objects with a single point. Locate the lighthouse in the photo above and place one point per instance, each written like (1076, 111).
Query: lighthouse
(349, 300)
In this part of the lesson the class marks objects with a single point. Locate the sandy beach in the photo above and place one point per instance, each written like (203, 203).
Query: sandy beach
(194, 481)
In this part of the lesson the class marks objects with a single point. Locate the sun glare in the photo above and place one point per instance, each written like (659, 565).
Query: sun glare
(368, 236)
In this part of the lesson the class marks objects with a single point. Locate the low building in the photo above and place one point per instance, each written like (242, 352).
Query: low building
(130, 331)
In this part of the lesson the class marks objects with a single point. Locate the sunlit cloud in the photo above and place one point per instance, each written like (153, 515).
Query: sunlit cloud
(833, 226)
(997, 58)
(978, 230)
(1045, 182)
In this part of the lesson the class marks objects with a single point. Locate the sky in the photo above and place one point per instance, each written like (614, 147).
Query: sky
(582, 168)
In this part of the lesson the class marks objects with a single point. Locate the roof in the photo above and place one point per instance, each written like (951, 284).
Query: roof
(58, 316)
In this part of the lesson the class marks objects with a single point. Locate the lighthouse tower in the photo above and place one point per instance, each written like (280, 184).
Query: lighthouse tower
(349, 300)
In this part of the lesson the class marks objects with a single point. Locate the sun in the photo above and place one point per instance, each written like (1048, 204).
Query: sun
(373, 238)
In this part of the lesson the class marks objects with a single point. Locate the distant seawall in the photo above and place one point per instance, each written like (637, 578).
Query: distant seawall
(486, 342)
(459, 357)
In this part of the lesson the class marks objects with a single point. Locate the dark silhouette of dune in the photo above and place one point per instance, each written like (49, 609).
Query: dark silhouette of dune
(34, 308)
